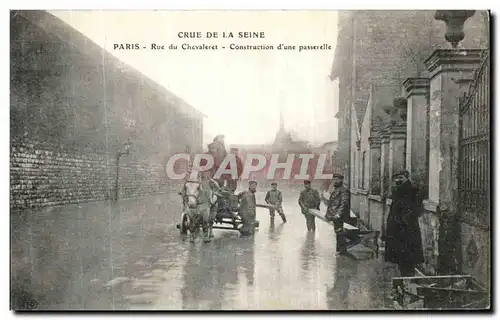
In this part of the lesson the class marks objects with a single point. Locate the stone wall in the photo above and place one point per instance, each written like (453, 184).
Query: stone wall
(390, 47)
(42, 175)
(376, 212)
(73, 106)
(476, 255)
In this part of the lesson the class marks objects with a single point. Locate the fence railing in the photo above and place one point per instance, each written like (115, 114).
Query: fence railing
(474, 149)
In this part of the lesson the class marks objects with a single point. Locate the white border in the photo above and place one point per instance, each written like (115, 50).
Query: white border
(186, 5)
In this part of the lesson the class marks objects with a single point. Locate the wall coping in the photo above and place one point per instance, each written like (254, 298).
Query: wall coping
(398, 132)
(430, 206)
(375, 142)
(359, 191)
(416, 86)
(375, 197)
(453, 60)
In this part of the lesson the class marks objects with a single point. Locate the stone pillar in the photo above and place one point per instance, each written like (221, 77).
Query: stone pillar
(417, 139)
(375, 164)
(450, 75)
(384, 164)
(397, 145)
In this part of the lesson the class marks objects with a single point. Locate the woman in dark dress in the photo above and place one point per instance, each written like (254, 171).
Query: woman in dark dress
(403, 238)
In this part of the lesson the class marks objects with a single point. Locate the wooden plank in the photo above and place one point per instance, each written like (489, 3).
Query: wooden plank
(265, 205)
(444, 298)
(317, 214)
(223, 228)
(352, 215)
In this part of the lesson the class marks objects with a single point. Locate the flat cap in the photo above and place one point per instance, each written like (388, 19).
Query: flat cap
(402, 173)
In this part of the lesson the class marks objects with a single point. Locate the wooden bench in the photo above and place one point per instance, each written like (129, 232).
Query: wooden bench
(357, 235)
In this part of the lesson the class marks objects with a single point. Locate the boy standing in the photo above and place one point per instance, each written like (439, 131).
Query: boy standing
(275, 198)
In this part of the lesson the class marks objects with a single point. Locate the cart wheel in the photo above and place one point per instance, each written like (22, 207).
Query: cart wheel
(183, 226)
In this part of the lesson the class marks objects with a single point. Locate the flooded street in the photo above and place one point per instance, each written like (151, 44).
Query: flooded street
(150, 266)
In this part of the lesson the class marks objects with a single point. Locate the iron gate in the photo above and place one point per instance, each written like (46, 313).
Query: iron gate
(474, 149)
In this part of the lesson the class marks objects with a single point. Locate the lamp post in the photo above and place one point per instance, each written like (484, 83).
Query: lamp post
(455, 20)
(124, 151)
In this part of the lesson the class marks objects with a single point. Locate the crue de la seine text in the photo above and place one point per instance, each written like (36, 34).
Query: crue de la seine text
(215, 35)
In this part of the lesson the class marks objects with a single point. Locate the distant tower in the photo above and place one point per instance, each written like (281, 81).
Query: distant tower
(281, 135)
(282, 122)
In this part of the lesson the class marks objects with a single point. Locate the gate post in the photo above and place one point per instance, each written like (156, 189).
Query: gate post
(375, 165)
(450, 70)
(397, 146)
(417, 93)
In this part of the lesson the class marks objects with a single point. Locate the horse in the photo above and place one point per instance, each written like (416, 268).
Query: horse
(199, 200)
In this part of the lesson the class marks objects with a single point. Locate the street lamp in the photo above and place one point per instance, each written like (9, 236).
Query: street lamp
(122, 152)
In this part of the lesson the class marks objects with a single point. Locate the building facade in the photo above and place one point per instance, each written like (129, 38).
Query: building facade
(73, 109)
(401, 85)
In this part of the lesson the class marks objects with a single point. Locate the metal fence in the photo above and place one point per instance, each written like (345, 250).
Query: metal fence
(474, 149)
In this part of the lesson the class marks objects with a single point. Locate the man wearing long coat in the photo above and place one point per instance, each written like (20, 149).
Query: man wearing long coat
(403, 238)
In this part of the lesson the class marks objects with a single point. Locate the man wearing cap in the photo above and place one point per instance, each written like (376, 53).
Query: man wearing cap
(275, 198)
(339, 209)
(403, 242)
(309, 199)
(247, 209)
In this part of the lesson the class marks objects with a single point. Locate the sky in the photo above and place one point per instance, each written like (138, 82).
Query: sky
(240, 92)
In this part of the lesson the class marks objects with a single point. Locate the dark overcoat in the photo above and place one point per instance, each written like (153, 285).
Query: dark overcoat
(339, 203)
(403, 238)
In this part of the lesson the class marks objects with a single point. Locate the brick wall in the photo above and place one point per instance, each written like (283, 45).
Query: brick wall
(73, 106)
(42, 175)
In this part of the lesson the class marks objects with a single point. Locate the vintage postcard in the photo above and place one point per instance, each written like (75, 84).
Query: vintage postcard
(250, 160)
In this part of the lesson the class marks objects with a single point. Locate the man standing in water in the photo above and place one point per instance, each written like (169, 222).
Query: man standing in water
(403, 244)
(338, 209)
(247, 209)
(309, 199)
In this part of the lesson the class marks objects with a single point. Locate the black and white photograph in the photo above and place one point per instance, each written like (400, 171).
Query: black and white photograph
(250, 160)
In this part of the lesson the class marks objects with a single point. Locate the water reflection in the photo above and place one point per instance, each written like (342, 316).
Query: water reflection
(345, 273)
(274, 232)
(308, 253)
(207, 273)
(246, 258)
(211, 272)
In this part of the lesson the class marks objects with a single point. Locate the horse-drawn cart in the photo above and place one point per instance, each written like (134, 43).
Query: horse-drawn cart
(226, 218)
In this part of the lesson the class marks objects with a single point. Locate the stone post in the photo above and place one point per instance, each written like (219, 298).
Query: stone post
(397, 145)
(384, 164)
(417, 140)
(450, 74)
(375, 164)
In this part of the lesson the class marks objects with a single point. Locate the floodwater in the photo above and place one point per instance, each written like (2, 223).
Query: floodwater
(147, 265)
